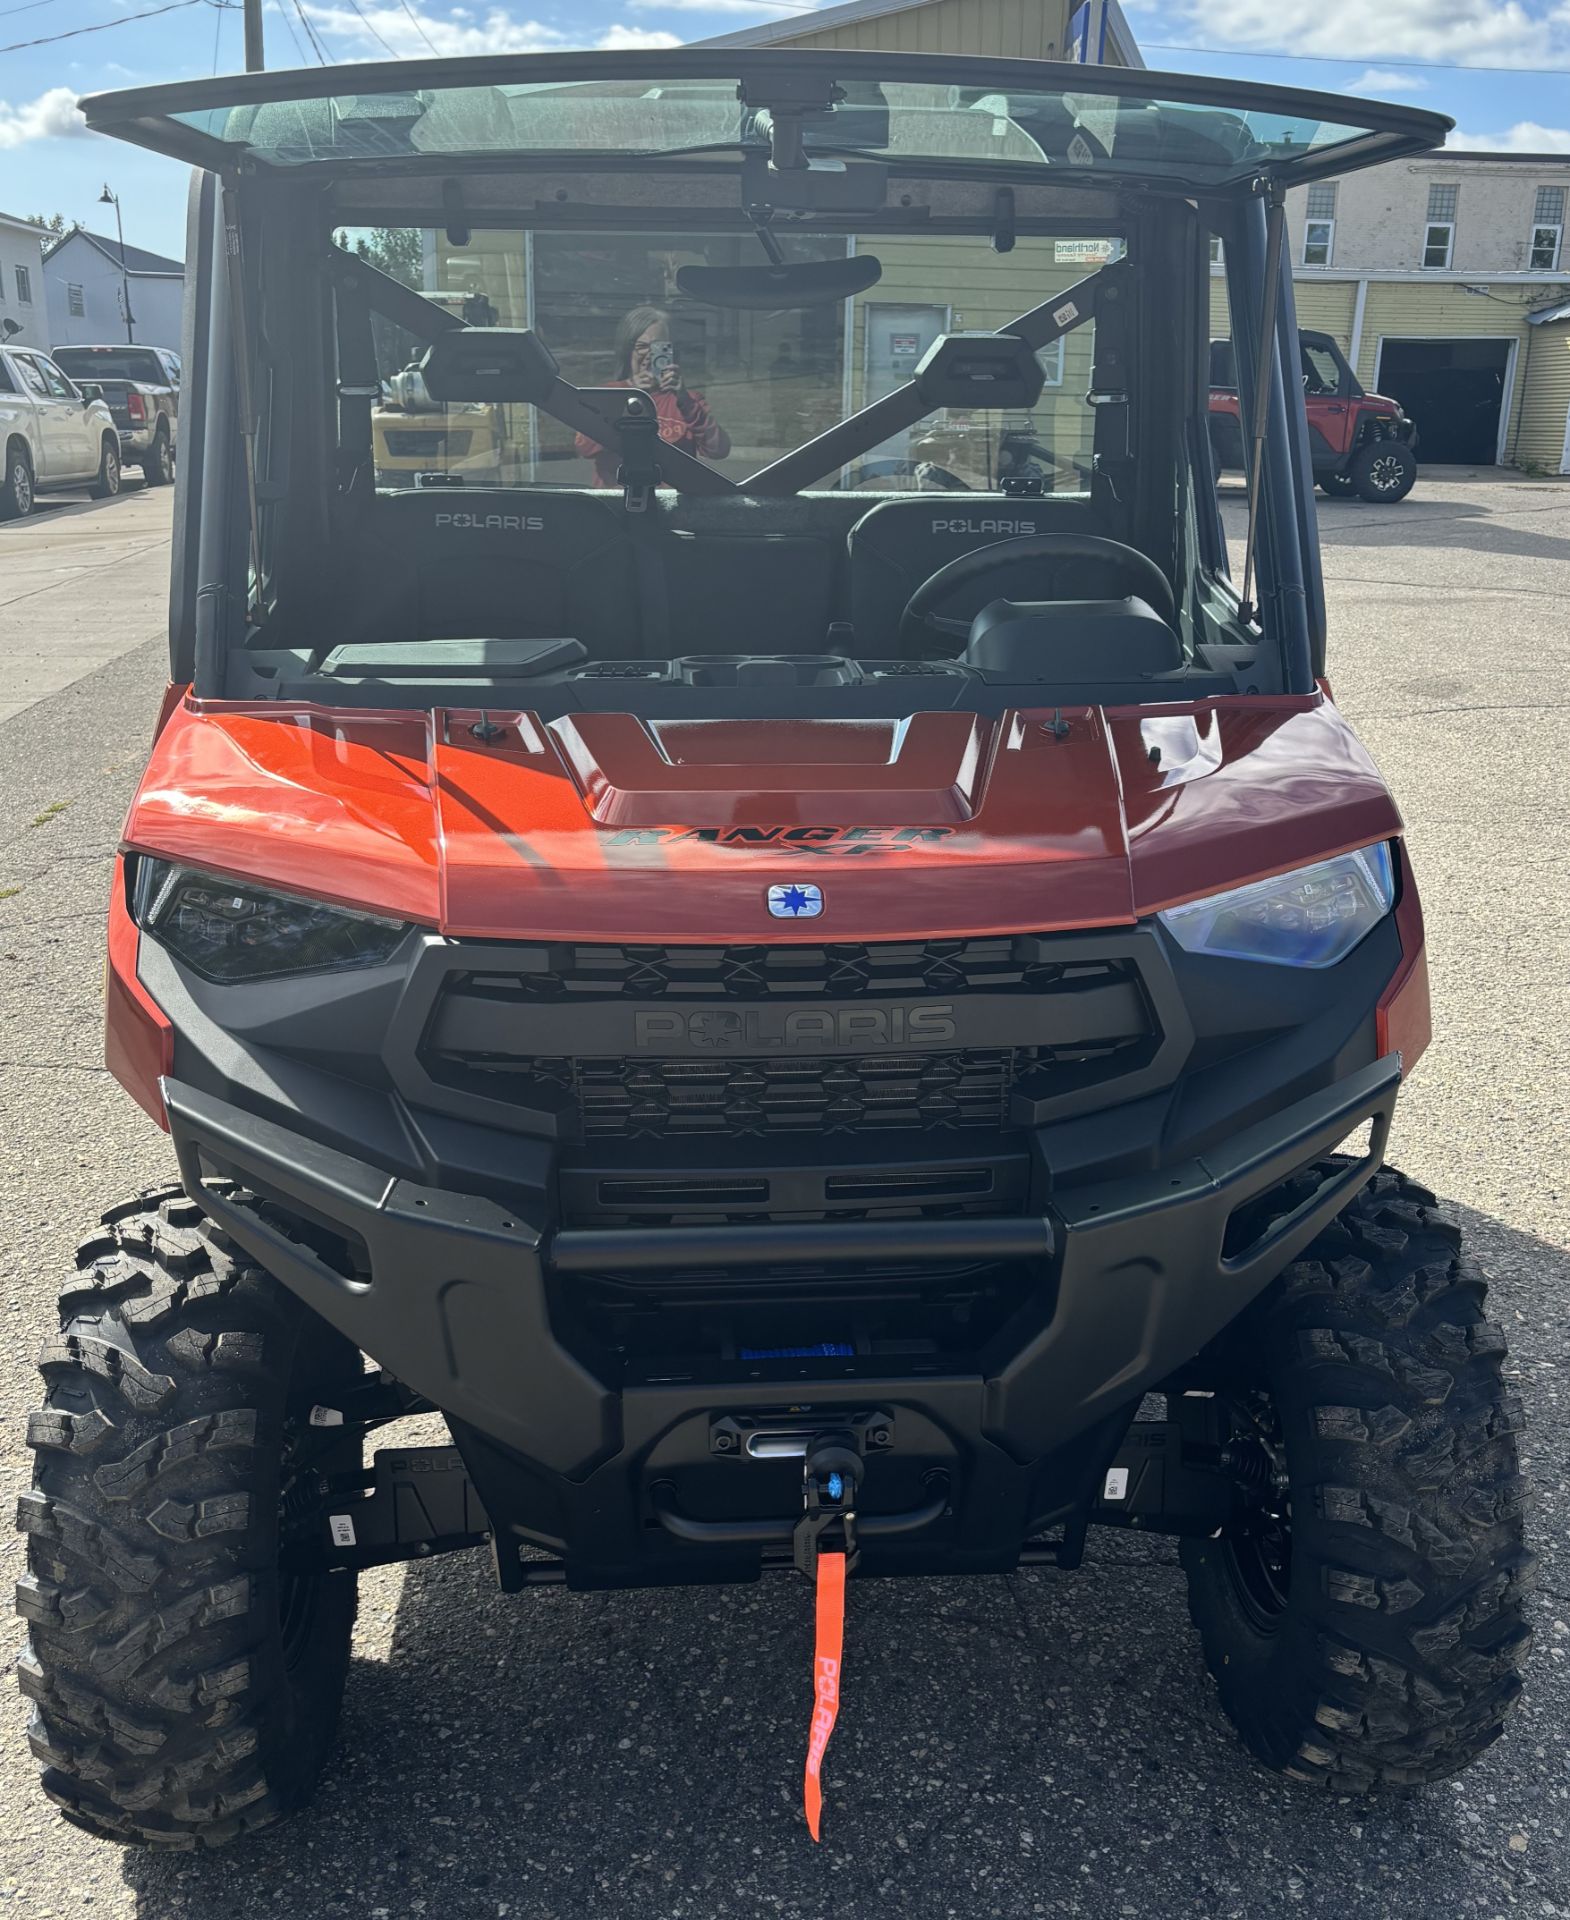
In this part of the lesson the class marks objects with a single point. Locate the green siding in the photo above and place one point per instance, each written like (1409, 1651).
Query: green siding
(1323, 306)
(1009, 29)
(1545, 406)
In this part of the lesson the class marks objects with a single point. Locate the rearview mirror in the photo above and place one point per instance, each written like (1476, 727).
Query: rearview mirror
(804, 283)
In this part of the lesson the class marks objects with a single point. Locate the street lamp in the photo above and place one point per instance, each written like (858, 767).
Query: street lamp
(108, 199)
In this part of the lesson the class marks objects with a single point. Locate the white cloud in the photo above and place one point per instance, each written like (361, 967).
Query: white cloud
(1467, 32)
(52, 116)
(774, 7)
(374, 28)
(1526, 136)
(1380, 81)
(379, 26)
(621, 38)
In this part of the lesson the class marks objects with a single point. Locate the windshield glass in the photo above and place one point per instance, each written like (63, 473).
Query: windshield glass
(113, 363)
(979, 126)
(734, 388)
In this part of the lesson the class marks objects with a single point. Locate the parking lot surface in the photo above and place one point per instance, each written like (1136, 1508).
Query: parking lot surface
(1042, 1744)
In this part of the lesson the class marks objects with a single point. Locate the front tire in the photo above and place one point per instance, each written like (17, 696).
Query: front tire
(1339, 486)
(185, 1690)
(17, 495)
(107, 484)
(1366, 1628)
(1384, 472)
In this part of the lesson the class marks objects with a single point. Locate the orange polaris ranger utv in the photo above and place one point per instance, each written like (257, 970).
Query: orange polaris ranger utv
(819, 1030)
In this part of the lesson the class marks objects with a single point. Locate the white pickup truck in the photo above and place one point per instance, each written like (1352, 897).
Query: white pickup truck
(55, 434)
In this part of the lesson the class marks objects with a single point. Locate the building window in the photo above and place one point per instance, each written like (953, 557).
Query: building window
(1548, 227)
(1319, 229)
(24, 286)
(1439, 236)
(74, 301)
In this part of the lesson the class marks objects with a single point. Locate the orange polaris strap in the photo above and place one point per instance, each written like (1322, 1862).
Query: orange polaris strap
(825, 1678)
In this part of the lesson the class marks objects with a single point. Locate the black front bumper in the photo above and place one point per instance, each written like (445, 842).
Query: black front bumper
(626, 1479)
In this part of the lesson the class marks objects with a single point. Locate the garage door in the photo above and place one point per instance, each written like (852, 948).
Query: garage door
(1454, 390)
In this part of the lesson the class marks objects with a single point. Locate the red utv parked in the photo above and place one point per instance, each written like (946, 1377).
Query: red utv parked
(1358, 442)
(784, 1014)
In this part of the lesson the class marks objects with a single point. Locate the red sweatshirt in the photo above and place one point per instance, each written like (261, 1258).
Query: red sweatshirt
(685, 422)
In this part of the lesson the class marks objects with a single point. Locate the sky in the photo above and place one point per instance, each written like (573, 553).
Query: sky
(1500, 68)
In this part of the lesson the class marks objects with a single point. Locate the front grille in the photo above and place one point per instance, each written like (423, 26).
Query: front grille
(670, 1099)
(900, 970)
(535, 1037)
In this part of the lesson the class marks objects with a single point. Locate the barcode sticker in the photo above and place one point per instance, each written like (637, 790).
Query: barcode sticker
(342, 1528)
(1067, 314)
(1117, 1484)
(326, 1417)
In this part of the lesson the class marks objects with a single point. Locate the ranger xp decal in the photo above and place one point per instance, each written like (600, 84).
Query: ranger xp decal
(816, 841)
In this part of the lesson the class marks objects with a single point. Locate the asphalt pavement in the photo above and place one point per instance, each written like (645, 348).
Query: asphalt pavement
(1042, 1744)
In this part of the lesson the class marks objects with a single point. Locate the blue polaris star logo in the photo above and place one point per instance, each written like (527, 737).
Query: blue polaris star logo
(798, 901)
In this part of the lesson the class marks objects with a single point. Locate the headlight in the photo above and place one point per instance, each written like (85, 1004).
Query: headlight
(230, 930)
(1311, 918)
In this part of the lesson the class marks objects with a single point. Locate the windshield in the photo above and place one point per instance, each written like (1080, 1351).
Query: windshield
(963, 114)
(112, 363)
(736, 389)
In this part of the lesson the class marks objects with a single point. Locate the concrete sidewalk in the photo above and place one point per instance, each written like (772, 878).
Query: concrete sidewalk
(80, 584)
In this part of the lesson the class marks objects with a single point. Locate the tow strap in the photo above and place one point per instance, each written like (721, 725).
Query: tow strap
(826, 1661)
(831, 1478)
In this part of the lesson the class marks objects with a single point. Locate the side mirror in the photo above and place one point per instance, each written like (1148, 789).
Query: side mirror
(90, 391)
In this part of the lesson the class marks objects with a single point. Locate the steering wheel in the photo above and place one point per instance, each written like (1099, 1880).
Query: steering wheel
(1145, 577)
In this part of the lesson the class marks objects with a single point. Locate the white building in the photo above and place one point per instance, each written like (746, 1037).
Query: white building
(23, 317)
(89, 284)
(1446, 278)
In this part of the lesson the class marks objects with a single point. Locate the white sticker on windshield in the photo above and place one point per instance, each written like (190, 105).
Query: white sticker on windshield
(1067, 314)
(1080, 152)
(326, 1417)
(343, 1529)
(1117, 1484)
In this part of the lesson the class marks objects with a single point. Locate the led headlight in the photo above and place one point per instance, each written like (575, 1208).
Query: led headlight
(1311, 918)
(231, 930)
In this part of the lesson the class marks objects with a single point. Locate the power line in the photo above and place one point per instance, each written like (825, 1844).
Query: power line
(313, 39)
(218, 27)
(419, 25)
(359, 12)
(26, 7)
(1375, 60)
(123, 20)
(283, 15)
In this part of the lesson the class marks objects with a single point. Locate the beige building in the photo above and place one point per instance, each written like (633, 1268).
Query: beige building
(1446, 279)
(1003, 29)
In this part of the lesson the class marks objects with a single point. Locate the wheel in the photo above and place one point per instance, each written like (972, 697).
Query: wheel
(16, 489)
(1384, 471)
(158, 467)
(185, 1689)
(1364, 1625)
(1339, 486)
(107, 484)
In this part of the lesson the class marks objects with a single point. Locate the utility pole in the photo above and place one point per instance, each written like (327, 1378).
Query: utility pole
(108, 198)
(255, 59)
